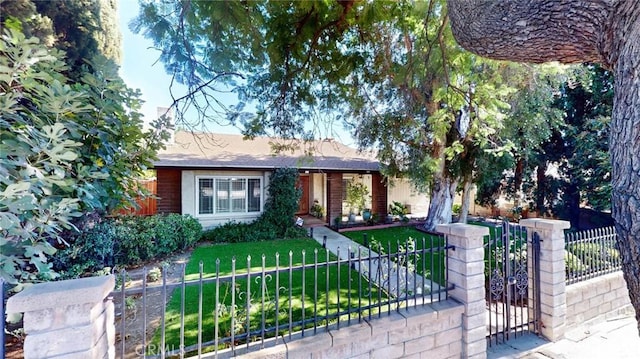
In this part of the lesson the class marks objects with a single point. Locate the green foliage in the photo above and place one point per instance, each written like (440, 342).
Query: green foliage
(391, 70)
(277, 220)
(357, 195)
(88, 251)
(282, 200)
(317, 210)
(82, 29)
(125, 241)
(585, 257)
(398, 209)
(65, 149)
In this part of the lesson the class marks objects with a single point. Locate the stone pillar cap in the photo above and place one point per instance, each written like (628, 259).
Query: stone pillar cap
(542, 223)
(61, 294)
(462, 230)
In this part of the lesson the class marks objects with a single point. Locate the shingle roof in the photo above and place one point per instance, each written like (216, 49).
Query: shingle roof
(207, 150)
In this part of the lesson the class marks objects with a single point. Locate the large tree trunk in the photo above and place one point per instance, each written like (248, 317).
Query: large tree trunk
(601, 31)
(466, 199)
(625, 160)
(541, 193)
(441, 203)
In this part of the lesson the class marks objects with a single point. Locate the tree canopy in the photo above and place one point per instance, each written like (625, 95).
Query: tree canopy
(390, 70)
(82, 29)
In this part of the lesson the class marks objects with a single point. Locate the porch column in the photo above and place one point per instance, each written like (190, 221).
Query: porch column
(67, 319)
(379, 203)
(466, 273)
(334, 197)
(553, 297)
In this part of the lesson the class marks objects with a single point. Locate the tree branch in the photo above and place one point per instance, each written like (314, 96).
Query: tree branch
(568, 31)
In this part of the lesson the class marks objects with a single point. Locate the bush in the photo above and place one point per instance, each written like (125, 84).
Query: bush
(90, 251)
(126, 241)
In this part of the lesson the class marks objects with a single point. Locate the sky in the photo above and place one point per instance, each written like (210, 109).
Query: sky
(139, 67)
(142, 70)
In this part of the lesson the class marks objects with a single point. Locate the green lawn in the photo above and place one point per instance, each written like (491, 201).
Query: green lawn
(294, 280)
(392, 238)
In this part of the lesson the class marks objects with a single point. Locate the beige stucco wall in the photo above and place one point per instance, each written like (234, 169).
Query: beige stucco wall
(401, 190)
(317, 189)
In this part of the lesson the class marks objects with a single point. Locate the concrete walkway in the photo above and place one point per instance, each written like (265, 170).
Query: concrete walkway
(616, 338)
(386, 274)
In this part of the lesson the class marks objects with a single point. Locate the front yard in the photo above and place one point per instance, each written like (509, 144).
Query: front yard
(241, 277)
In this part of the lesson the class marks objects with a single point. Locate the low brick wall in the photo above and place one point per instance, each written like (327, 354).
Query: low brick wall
(597, 299)
(435, 330)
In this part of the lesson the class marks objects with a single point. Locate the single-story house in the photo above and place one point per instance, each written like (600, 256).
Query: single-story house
(220, 177)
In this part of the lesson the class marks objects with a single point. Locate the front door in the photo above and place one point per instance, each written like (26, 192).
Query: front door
(303, 205)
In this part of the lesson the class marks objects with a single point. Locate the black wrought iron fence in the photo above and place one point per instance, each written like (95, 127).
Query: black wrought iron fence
(215, 310)
(2, 317)
(592, 253)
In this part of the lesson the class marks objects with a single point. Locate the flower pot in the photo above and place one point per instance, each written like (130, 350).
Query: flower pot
(352, 217)
(366, 215)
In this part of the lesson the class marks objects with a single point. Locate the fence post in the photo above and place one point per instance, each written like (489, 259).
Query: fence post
(71, 318)
(553, 297)
(465, 272)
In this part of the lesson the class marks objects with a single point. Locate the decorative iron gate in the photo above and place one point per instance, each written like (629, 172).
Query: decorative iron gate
(512, 284)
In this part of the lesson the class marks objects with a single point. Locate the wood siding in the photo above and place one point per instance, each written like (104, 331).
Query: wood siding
(169, 190)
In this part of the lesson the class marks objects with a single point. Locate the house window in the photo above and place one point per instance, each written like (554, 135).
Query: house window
(345, 184)
(219, 195)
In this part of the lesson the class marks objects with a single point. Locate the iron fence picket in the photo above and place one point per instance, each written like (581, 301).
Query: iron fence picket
(2, 317)
(380, 279)
(216, 308)
(315, 290)
(262, 295)
(338, 284)
(303, 289)
(591, 253)
(183, 288)
(144, 311)
(349, 256)
(200, 286)
(248, 307)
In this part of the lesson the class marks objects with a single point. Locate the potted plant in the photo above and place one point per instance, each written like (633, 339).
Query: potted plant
(357, 193)
(366, 214)
(317, 210)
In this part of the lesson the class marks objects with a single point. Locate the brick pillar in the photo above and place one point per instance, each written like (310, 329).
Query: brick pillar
(379, 203)
(67, 319)
(466, 274)
(334, 196)
(553, 297)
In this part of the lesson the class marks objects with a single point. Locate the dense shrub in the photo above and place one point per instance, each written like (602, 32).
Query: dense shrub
(277, 220)
(126, 241)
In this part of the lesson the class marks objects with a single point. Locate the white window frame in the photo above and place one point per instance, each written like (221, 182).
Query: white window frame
(229, 213)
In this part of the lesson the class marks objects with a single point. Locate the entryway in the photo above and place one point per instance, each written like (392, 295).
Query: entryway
(512, 283)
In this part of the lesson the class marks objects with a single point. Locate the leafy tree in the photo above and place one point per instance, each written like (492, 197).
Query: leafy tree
(82, 29)
(65, 149)
(398, 77)
(606, 33)
(585, 168)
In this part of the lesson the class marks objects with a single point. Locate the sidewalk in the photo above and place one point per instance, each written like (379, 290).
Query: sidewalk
(616, 338)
